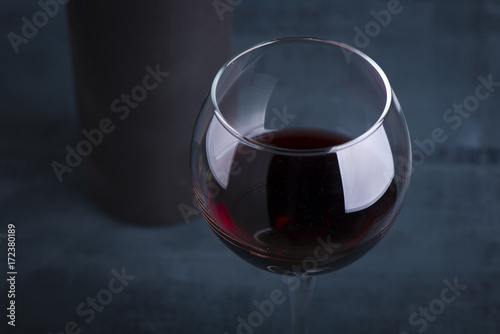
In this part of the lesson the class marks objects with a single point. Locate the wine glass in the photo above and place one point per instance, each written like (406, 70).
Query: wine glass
(300, 159)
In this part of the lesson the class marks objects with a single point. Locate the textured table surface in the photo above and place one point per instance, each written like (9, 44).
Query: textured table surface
(181, 279)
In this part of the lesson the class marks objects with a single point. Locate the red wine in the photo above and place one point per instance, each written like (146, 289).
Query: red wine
(286, 212)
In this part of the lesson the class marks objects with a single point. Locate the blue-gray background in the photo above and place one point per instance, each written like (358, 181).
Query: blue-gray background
(186, 281)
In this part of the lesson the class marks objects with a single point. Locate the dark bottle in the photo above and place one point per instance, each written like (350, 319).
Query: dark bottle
(145, 66)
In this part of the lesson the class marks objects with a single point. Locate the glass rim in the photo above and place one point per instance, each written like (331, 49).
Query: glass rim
(335, 148)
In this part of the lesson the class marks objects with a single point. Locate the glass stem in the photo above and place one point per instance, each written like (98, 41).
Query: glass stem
(300, 300)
